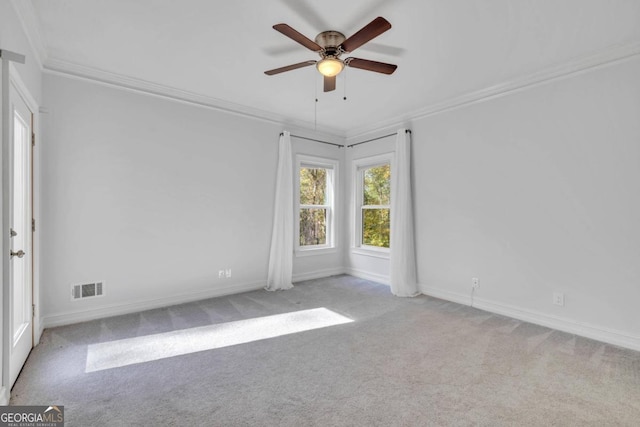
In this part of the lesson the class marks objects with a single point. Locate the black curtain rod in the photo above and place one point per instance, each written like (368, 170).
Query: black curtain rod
(375, 139)
(315, 140)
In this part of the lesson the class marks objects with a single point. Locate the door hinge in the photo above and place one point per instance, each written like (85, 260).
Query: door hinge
(33, 225)
(33, 139)
(33, 310)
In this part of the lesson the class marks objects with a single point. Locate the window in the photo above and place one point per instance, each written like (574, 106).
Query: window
(315, 189)
(373, 199)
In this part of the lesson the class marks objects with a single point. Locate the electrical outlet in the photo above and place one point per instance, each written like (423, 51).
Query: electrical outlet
(221, 274)
(558, 298)
(475, 283)
(227, 272)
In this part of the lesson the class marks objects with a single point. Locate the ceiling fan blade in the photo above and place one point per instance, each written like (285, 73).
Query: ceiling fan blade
(365, 64)
(370, 31)
(296, 36)
(289, 68)
(329, 83)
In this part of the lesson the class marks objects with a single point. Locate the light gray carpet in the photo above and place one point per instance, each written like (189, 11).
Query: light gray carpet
(402, 362)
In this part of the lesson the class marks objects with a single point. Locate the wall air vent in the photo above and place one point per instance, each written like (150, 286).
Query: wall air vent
(87, 290)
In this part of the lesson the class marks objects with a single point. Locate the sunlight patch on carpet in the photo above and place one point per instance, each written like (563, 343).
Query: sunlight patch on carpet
(130, 351)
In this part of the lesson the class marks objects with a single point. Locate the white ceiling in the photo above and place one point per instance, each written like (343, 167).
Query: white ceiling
(219, 50)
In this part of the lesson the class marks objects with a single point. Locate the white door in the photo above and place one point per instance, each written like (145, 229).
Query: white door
(20, 266)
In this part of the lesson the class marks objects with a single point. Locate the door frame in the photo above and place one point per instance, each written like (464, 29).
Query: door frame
(9, 76)
(19, 85)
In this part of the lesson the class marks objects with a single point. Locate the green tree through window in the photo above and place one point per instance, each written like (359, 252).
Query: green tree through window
(376, 212)
(314, 206)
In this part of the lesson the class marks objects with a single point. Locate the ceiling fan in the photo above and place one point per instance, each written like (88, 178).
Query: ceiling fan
(330, 45)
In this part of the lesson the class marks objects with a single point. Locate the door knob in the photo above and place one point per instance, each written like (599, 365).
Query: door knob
(19, 254)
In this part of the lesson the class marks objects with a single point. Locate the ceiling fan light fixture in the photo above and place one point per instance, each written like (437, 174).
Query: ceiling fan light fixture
(330, 45)
(330, 67)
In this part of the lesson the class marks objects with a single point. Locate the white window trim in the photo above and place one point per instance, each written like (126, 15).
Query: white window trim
(332, 190)
(359, 165)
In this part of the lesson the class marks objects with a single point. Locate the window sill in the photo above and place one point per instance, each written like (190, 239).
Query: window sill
(376, 253)
(315, 251)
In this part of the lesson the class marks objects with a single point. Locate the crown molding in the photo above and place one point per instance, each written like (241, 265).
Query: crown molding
(29, 21)
(68, 69)
(578, 65)
(582, 64)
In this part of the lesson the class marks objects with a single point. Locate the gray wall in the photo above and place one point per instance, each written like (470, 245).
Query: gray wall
(154, 197)
(537, 192)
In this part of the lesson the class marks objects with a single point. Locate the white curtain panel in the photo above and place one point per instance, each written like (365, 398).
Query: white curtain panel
(403, 257)
(281, 254)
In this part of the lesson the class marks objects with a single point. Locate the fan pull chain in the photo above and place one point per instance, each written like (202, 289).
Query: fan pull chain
(315, 104)
(344, 83)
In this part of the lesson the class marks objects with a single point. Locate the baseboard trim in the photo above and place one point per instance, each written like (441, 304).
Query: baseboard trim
(4, 396)
(38, 329)
(607, 335)
(362, 274)
(318, 274)
(445, 295)
(71, 317)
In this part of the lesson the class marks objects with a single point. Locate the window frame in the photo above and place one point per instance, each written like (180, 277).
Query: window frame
(359, 166)
(331, 165)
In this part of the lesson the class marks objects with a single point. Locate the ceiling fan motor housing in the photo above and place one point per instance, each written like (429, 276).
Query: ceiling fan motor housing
(330, 42)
